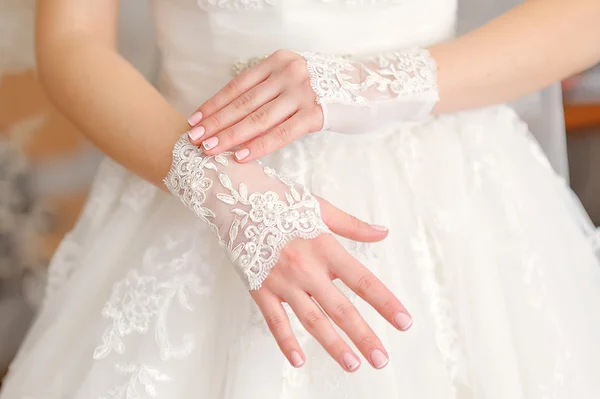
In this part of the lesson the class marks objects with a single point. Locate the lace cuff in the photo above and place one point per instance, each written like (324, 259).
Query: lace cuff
(253, 210)
(361, 95)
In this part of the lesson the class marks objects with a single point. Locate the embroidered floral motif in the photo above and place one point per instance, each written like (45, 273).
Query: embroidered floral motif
(138, 377)
(262, 222)
(143, 300)
(385, 76)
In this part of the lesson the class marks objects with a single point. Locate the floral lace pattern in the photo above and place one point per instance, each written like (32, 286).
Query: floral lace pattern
(139, 376)
(141, 299)
(256, 225)
(385, 76)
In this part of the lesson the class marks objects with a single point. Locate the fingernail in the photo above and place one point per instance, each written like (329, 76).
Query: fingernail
(296, 359)
(350, 361)
(196, 132)
(379, 228)
(195, 118)
(379, 359)
(403, 321)
(241, 154)
(210, 143)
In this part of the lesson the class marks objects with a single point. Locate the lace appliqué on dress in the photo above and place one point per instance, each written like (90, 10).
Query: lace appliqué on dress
(256, 225)
(386, 76)
(144, 298)
(139, 377)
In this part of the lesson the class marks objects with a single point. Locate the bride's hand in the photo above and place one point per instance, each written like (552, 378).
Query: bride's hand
(265, 108)
(303, 279)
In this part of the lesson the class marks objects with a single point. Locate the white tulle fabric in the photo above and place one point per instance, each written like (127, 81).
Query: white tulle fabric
(362, 95)
(487, 248)
(253, 211)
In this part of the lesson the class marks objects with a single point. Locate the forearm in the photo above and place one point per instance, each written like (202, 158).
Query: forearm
(112, 104)
(524, 50)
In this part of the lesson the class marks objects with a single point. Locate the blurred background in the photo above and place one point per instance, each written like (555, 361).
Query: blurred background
(46, 167)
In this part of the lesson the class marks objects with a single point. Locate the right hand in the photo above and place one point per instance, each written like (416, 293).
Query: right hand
(303, 278)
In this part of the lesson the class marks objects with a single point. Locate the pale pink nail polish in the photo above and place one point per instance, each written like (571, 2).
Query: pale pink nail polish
(403, 321)
(195, 118)
(196, 133)
(379, 228)
(296, 359)
(379, 359)
(241, 154)
(210, 143)
(350, 361)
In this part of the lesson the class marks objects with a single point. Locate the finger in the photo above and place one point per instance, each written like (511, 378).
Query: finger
(237, 110)
(249, 78)
(236, 87)
(255, 124)
(279, 325)
(319, 326)
(276, 138)
(347, 317)
(346, 225)
(364, 283)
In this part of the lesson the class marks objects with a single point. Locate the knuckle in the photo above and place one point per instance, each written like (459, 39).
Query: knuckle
(230, 134)
(342, 311)
(312, 319)
(355, 222)
(259, 117)
(289, 254)
(364, 284)
(214, 121)
(275, 322)
(260, 147)
(243, 101)
(281, 134)
(281, 54)
(391, 306)
(278, 54)
(233, 85)
(367, 341)
(298, 68)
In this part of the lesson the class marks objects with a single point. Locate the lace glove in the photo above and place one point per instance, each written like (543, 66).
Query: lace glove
(252, 210)
(357, 96)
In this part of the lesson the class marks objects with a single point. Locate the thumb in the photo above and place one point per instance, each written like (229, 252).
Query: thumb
(346, 225)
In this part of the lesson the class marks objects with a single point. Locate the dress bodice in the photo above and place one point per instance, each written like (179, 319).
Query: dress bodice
(200, 40)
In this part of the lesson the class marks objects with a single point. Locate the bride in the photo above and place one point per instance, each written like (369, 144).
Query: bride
(487, 248)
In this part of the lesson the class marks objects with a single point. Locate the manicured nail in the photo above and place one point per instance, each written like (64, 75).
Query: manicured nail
(403, 321)
(241, 154)
(379, 359)
(195, 118)
(296, 359)
(196, 133)
(210, 143)
(350, 361)
(379, 228)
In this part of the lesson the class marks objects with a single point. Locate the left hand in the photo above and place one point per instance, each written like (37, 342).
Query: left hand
(266, 107)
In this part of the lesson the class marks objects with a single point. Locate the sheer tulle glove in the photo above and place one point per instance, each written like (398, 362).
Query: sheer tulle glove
(276, 235)
(253, 211)
(358, 96)
(288, 95)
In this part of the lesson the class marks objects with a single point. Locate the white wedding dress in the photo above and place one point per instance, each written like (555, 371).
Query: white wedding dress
(488, 248)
